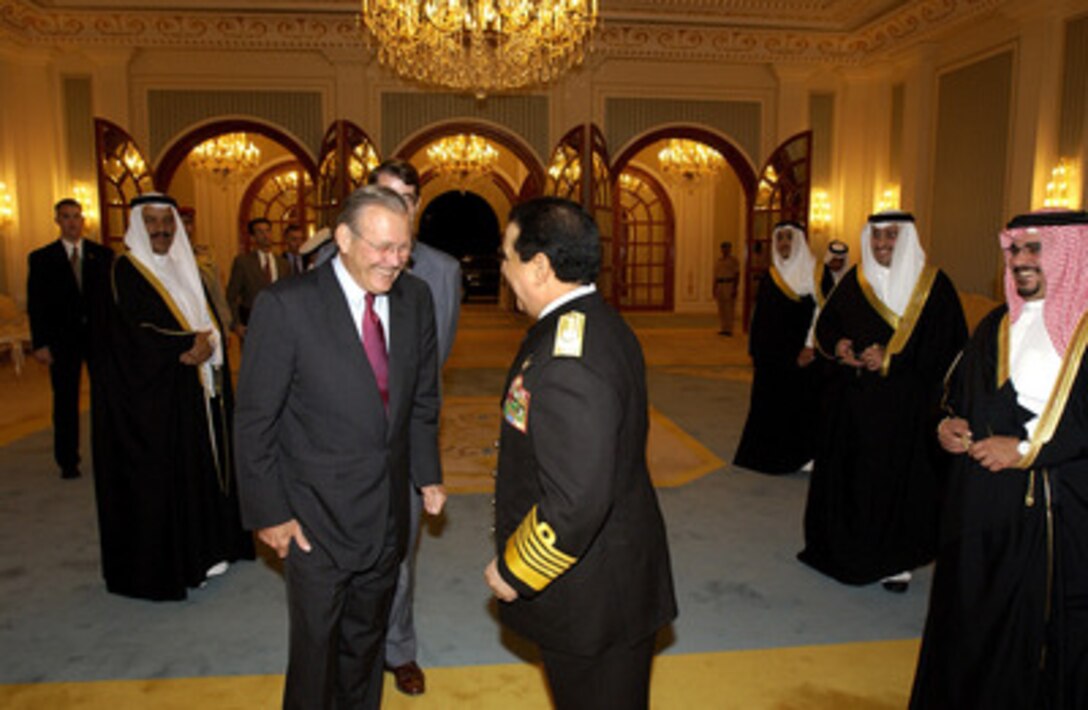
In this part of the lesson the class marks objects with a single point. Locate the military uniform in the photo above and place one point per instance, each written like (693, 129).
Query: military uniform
(579, 533)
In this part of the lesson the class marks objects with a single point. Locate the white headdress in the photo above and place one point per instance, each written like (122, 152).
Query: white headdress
(894, 284)
(798, 269)
(176, 270)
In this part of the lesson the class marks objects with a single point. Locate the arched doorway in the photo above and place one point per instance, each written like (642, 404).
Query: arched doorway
(464, 225)
(224, 207)
(702, 213)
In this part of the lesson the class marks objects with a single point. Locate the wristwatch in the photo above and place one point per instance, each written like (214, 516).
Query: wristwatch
(1023, 447)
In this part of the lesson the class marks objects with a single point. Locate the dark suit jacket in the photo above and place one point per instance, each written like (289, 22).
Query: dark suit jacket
(577, 527)
(246, 281)
(313, 441)
(442, 273)
(60, 312)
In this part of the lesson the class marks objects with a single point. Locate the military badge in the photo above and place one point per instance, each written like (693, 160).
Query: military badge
(515, 410)
(569, 334)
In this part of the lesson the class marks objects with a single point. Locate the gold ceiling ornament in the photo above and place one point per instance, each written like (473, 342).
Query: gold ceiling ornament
(229, 157)
(689, 162)
(480, 46)
(462, 156)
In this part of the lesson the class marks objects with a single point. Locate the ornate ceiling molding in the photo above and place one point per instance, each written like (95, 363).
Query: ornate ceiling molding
(914, 21)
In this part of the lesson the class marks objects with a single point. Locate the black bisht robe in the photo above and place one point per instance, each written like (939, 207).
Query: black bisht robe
(872, 508)
(779, 433)
(167, 504)
(993, 637)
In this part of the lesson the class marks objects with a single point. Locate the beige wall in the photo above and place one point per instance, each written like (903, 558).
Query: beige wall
(34, 155)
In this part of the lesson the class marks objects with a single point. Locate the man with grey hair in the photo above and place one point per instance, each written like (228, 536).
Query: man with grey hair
(338, 392)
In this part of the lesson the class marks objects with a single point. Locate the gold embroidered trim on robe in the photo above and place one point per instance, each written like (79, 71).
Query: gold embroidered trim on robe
(163, 294)
(1003, 351)
(1059, 396)
(783, 286)
(532, 556)
(909, 319)
(887, 314)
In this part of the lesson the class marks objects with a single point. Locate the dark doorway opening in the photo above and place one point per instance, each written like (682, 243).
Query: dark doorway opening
(463, 225)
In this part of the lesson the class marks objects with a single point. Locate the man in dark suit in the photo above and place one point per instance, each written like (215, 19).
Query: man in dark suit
(442, 274)
(293, 239)
(251, 272)
(66, 282)
(582, 563)
(325, 428)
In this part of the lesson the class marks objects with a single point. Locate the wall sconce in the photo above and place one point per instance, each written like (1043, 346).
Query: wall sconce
(7, 208)
(1060, 190)
(889, 199)
(819, 211)
(85, 195)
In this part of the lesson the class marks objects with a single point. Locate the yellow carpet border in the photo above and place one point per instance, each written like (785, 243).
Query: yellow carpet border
(862, 676)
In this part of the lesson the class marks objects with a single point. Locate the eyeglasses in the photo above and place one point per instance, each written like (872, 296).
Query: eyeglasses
(401, 250)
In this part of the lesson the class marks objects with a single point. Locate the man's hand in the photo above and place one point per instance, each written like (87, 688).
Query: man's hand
(202, 349)
(239, 330)
(805, 357)
(434, 498)
(279, 537)
(43, 355)
(954, 434)
(502, 591)
(996, 452)
(844, 351)
(872, 358)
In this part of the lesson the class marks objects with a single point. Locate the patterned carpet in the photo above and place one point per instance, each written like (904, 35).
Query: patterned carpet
(470, 426)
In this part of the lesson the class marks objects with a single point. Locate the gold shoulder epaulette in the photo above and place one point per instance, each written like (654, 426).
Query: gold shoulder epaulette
(532, 556)
(569, 334)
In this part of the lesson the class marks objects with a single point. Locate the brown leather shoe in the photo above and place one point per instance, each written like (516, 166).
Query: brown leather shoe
(409, 678)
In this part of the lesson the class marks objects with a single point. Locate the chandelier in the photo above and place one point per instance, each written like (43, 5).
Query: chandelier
(688, 162)
(462, 156)
(231, 156)
(480, 45)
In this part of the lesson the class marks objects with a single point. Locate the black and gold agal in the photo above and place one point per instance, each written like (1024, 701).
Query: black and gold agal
(578, 530)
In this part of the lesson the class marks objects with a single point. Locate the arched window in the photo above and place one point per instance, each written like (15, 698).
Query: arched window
(645, 245)
(283, 194)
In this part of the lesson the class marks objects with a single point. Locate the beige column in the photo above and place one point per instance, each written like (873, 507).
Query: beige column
(32, 158)
(863, 127)
(1037, 100)
(793, 93)
(919, 107)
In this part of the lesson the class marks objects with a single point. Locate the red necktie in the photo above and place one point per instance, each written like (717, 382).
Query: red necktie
(267, 267)
(374, 344)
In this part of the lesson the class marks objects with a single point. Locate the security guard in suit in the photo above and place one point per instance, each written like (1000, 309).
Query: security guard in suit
(582, 563)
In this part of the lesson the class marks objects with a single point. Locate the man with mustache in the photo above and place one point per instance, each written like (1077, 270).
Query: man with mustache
(164, 475)
(893, 325)
(1008, 612)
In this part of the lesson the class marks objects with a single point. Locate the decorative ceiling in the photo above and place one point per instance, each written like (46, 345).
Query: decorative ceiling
(834, 31)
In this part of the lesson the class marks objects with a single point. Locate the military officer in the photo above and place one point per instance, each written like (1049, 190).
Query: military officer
(582, 564)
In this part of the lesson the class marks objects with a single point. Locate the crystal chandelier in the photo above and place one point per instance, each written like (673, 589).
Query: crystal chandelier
(480, 46)
(462, 156)
(688, 162)
(231, 156)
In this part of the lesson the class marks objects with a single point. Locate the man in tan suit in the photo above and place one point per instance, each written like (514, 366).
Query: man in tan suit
(251, 272)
